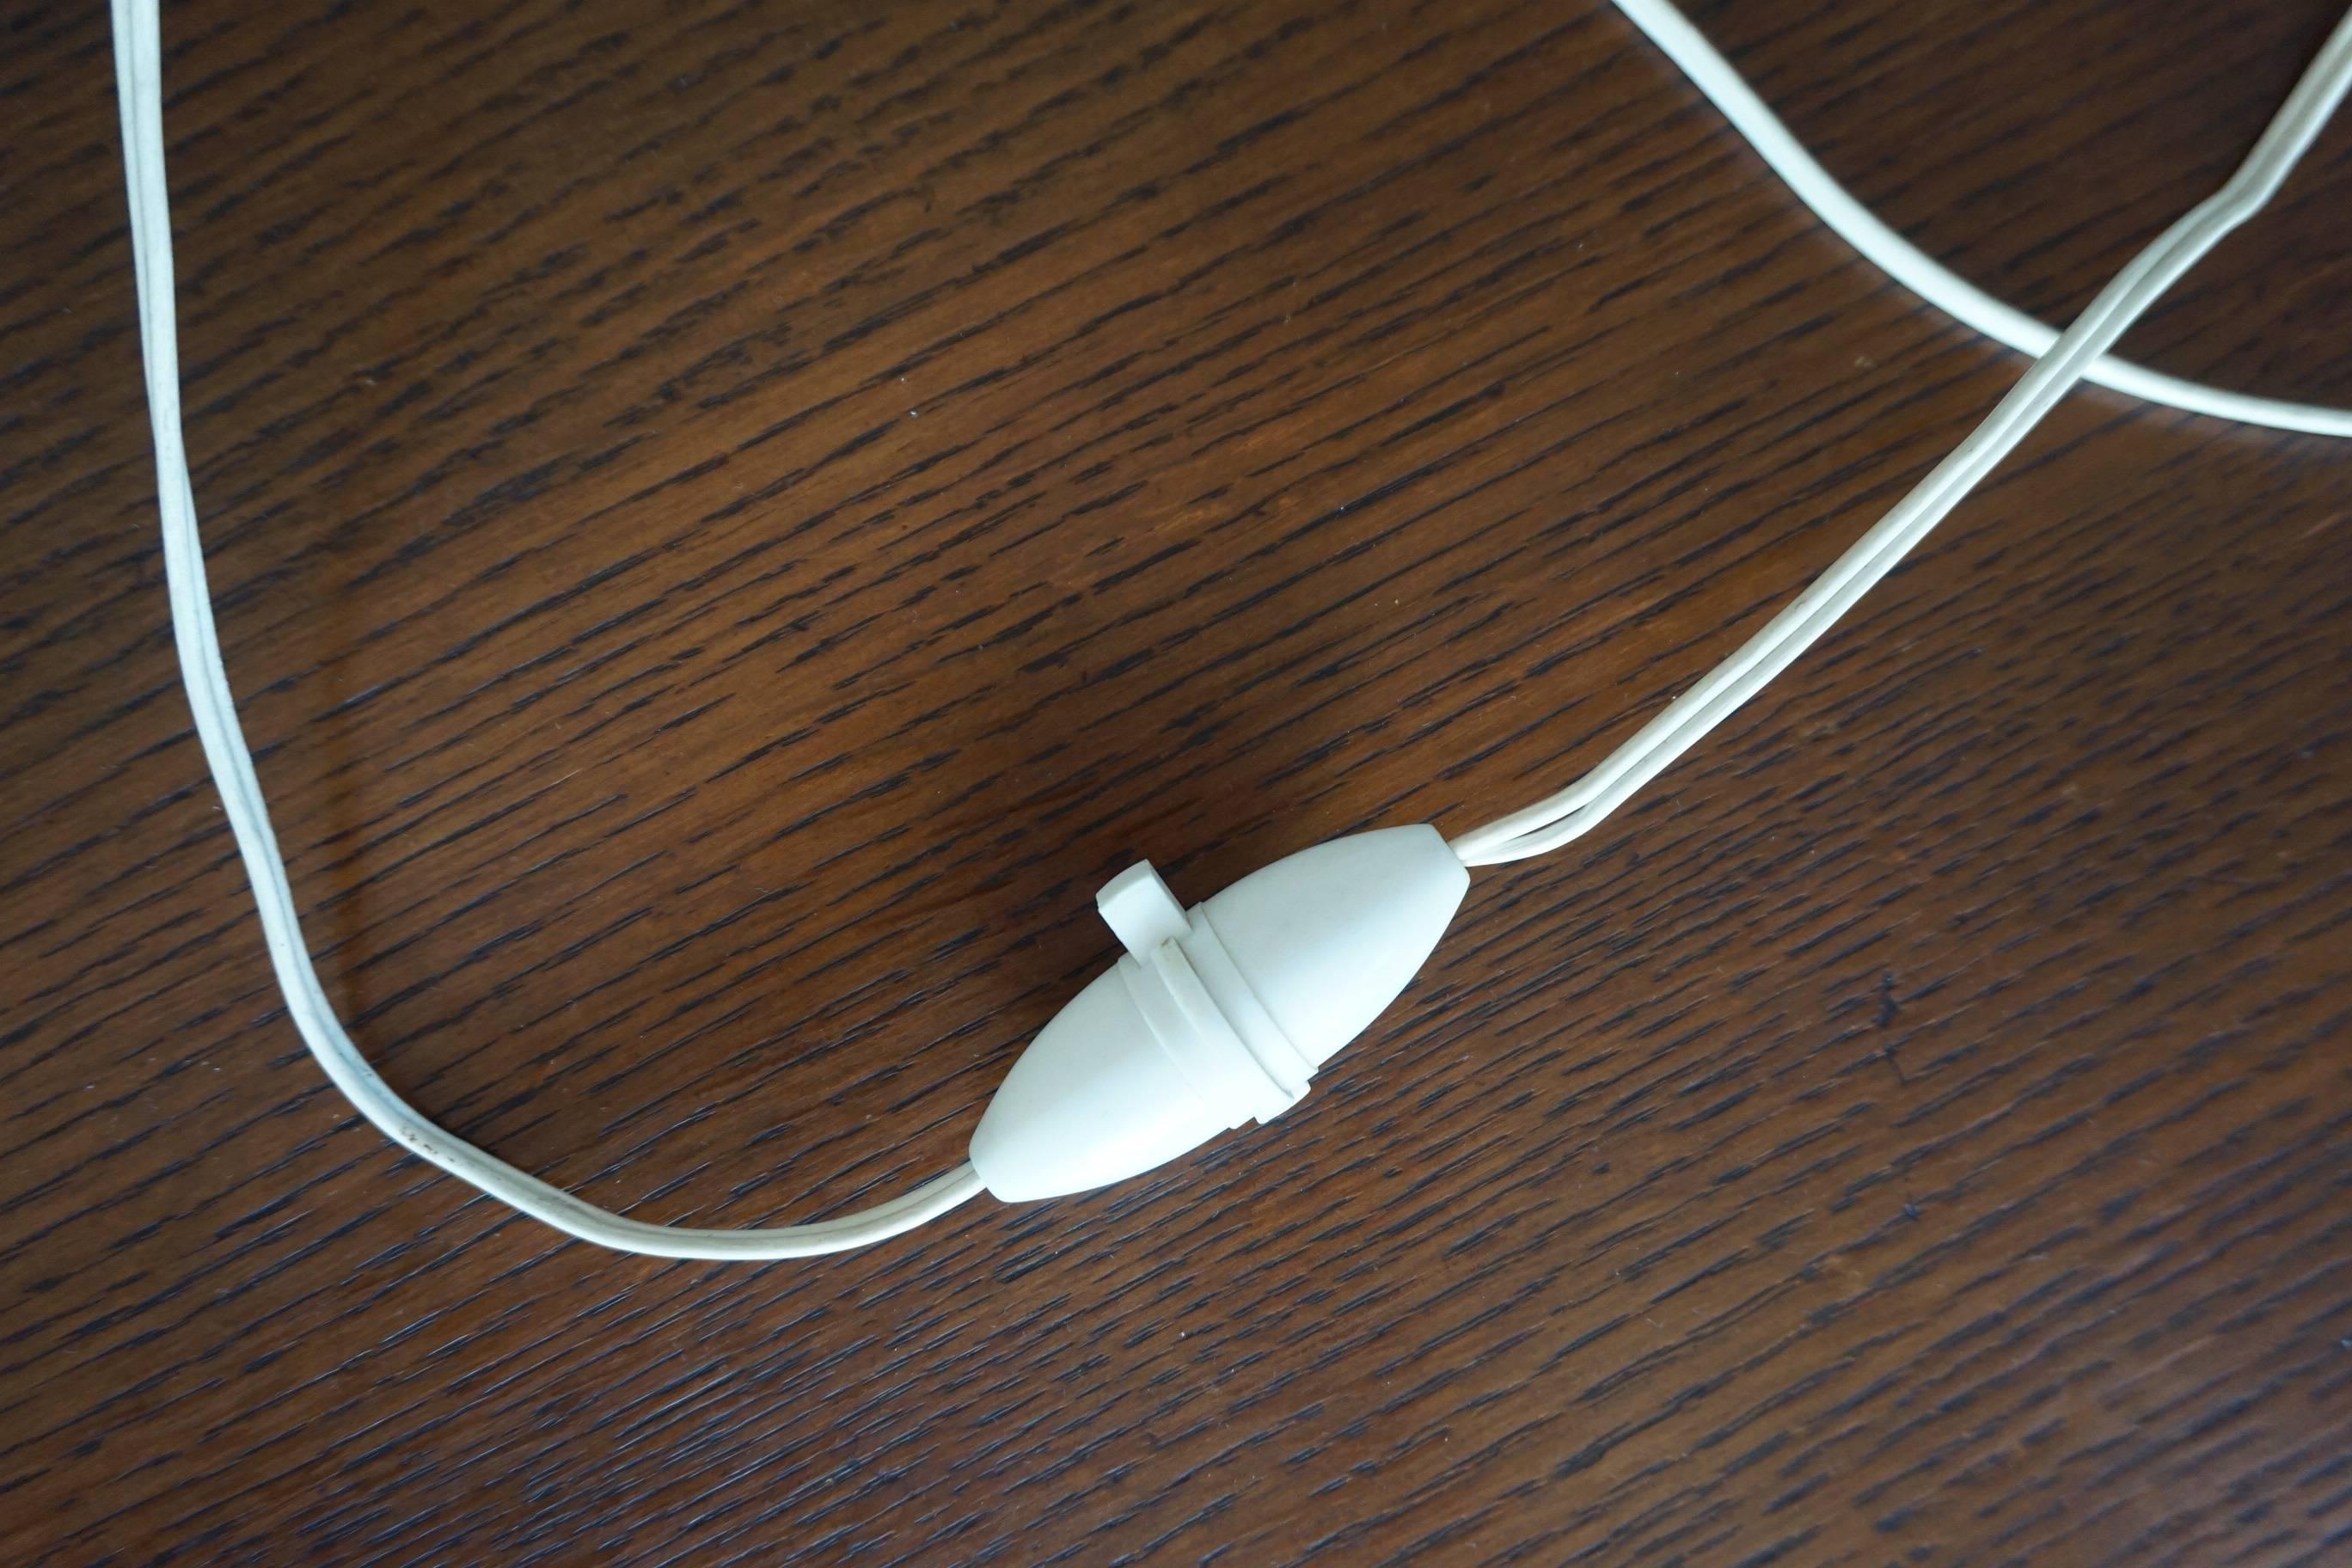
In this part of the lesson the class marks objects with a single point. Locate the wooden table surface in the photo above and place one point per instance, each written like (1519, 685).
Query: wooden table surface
(731, 522)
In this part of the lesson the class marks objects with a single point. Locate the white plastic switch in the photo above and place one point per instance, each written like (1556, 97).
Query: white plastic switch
(1219, 1014)
(1139, 910)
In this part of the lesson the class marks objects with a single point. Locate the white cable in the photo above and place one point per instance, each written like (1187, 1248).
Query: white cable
(1561, 817)
(138, 65)
(2075, 354)
(1913, 268)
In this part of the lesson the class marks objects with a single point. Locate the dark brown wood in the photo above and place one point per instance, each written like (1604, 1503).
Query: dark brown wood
(729, 521)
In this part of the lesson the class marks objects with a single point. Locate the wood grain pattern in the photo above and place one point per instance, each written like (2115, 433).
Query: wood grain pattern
(730, 519)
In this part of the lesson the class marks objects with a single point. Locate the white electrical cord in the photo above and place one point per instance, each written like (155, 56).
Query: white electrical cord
(1563, 816)
(138, 64)
(1914, 268)
(138, 73)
